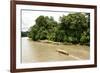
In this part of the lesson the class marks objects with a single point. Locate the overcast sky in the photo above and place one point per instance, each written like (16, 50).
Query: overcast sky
(29, 17)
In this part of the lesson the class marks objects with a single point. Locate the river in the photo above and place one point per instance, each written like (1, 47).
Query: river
(33, 51)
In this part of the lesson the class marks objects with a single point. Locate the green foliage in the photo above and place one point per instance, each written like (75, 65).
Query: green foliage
(60, 36)
(74, 25)
(24, 34)
(73, 28)
(83, 39)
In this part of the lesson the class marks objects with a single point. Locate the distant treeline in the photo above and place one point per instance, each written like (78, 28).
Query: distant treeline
(72, 28)
(24, 34)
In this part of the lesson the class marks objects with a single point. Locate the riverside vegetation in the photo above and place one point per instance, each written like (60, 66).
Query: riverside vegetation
(73, 28)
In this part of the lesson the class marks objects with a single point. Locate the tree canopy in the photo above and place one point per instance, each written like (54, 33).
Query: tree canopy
(72, 28)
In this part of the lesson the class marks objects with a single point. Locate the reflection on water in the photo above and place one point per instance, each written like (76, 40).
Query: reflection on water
(33, 51)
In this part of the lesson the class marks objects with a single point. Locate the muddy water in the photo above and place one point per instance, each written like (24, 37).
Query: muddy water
(33, 51)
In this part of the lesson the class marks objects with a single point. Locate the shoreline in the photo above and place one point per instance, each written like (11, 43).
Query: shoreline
(57, 43)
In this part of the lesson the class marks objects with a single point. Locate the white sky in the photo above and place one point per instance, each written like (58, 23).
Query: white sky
(29, 17)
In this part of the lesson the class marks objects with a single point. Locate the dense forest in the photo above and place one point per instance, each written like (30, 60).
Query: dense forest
(72, 28)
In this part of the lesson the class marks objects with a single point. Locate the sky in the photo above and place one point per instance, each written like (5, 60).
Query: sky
(29, 17)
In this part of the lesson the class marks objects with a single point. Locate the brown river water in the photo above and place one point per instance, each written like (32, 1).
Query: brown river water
(33, 51)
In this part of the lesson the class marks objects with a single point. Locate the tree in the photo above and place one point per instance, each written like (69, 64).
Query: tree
(60, 36)
(43, 28)
(24, 34)
(74, 25)
(73, 28)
